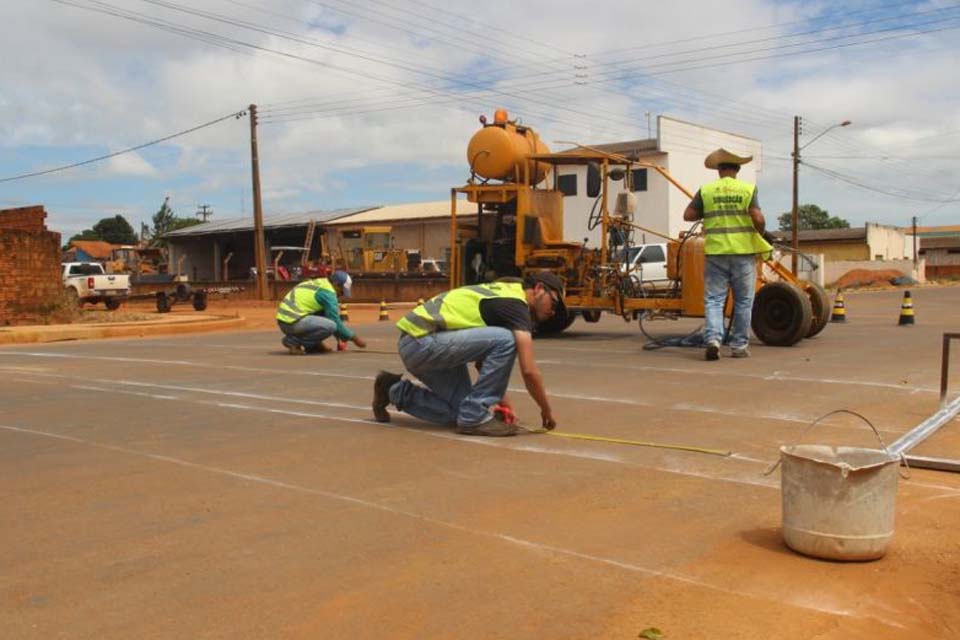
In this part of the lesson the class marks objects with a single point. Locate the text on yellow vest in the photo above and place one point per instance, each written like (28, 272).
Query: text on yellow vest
(726, 218)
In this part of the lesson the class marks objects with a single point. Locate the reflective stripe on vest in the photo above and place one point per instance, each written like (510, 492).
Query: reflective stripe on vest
(301, 301)
(457, 309)
(726, 219)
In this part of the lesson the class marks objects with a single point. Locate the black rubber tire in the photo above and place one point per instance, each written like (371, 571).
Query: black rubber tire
(113, 303)
(163, 303)
(72, 298)
(557, 324)
(782, 314)
(199, 300)
(591, 315)
(820, 306)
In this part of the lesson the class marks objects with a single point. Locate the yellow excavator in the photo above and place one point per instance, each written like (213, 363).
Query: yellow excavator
(519, 229)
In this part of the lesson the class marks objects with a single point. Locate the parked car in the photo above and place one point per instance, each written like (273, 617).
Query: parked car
(647, 262)
(87, 282)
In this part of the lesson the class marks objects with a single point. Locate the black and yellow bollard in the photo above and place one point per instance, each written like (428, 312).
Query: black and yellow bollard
(344, 312)
(839, 310)
(906, 310)
(384, 316)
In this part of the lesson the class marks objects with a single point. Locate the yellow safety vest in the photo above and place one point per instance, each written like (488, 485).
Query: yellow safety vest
(457, 309)
(301, 301)
(726, 219)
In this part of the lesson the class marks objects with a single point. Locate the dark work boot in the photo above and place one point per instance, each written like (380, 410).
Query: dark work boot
(713, 350)
(381, 394)
(494, 428)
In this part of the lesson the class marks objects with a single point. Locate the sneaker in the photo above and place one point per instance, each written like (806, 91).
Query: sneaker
(494, 428)
(740, 352)
(295, 348)
(713, 350)
(381, 394)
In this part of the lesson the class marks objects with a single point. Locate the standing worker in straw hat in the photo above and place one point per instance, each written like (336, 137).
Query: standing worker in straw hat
(310, 313)
(489, 324)
(735, 230)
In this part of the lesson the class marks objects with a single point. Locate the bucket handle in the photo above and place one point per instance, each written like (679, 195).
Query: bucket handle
(903, 458)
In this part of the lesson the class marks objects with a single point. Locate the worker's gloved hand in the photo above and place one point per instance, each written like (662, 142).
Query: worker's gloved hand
(548, 422)
(769, 237)
(360, 342)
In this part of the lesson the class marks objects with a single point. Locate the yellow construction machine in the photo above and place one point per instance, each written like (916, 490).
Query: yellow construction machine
(519, 229)
(369, 249)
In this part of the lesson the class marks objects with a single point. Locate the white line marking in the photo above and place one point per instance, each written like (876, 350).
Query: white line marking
(571, 396)
(520, 542)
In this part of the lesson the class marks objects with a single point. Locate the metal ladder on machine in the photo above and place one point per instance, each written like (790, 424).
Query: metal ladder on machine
(308, 243)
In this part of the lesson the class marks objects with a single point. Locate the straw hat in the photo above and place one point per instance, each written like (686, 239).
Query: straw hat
(722, 156)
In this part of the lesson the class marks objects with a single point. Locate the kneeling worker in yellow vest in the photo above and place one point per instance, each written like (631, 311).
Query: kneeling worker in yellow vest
(490, 324)
(310, 314)
(734, 227)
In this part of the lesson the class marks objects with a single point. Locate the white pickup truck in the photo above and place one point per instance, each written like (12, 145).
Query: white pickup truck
(87, 282)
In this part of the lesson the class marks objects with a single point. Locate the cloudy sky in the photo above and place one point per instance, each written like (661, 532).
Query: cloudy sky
(373, 101)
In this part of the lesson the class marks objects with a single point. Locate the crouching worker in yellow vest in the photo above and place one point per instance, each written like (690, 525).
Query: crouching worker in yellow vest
(310, 314)
(490, 324)
(734, 227)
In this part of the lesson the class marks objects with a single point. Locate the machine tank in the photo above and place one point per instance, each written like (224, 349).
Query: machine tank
(499, 152)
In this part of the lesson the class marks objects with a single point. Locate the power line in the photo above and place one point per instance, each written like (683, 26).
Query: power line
(853, 181)
(235, 115)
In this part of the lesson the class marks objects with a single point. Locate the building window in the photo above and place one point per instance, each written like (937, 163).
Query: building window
(567, 184)
(639, 179)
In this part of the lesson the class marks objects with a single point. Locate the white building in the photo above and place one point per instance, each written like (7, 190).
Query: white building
(680, 148)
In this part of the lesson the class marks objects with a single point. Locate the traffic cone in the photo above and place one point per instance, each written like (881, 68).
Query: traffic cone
(384, 316)
(906, 310)
(344, 312)
(839, 311)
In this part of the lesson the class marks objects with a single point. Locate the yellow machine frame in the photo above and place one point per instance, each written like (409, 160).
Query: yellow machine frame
(595, 283)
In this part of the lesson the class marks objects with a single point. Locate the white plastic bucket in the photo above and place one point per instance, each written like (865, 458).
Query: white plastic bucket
(838, 502)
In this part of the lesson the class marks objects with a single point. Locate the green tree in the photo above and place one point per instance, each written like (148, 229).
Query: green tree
(115, 230)
(810, 216)
(165, 221)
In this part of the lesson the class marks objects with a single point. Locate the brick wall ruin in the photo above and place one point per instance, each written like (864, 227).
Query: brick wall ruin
(31, 289)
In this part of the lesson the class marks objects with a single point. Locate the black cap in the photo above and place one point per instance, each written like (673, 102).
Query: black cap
(551, 281)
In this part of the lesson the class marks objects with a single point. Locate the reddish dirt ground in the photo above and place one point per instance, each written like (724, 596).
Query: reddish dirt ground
(213, 486)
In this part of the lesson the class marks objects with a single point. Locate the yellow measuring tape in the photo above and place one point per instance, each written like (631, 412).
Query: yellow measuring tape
(635, 443)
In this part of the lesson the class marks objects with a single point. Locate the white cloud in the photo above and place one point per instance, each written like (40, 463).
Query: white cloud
(130, 164)
(109, 83)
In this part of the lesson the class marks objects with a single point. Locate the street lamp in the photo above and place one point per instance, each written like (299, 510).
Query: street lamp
(795, 216)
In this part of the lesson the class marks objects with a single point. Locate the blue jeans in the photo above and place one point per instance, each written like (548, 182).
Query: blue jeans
(737, 272)
(308, 331)
(440, 361)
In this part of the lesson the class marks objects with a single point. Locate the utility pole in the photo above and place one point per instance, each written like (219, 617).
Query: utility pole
(259, 244)
(795, 213)
(204, 211)
(914, 243)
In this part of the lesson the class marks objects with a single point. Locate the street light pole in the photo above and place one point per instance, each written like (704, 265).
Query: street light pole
(795, 213)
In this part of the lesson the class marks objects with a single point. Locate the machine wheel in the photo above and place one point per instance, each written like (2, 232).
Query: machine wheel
(820, 305)
(591, 315)
(556, 324)
(163, 302)
(782, 314)
(113, 303)
(200, 300)
(73, 298)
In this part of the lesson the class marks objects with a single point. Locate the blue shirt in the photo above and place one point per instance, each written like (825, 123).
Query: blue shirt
(331, 310)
